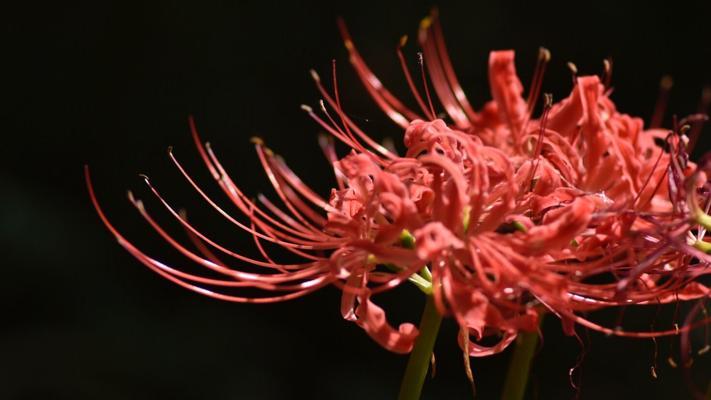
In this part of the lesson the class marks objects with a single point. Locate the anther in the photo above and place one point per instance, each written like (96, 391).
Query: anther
(671, 362)
(573, 68)
(607, 74)
(425, 23)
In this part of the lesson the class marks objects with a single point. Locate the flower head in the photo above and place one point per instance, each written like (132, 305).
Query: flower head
(499, 214)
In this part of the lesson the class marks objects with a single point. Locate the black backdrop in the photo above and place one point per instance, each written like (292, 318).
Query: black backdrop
(111, 84)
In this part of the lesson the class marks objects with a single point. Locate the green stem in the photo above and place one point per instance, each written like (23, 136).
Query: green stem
(517, 375)
(421, 354)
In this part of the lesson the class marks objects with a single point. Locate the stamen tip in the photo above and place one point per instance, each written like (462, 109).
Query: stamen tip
(544, 54)
(706, 94)
(257, 140)
(403, 40)
(572, 67)
(666, 82)
(671, 362)
(548, 99)
(314, 75)
(324, 139)
(136, 202)
(426, 23)
(306, 108)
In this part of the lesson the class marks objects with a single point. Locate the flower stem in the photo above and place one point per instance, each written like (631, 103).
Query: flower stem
(421, 354)
(520, 366)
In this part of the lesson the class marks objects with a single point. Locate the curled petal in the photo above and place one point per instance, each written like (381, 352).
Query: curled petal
(561, 227)
(506, 89)
(478, 350)
(433, 239)
(372, 319)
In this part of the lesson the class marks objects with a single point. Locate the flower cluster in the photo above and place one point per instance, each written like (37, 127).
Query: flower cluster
(501, 216)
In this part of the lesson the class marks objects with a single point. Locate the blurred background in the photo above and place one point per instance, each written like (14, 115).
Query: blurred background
(112, 84)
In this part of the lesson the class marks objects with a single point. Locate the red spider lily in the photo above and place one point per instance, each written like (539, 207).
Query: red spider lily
(499, 215)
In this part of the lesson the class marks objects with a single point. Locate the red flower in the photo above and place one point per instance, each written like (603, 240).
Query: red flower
(500, 215)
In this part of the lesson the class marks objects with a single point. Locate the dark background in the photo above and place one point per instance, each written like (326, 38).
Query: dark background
(111, 84)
